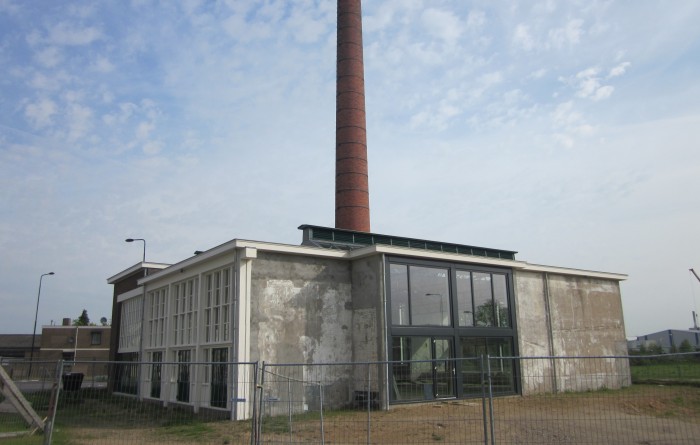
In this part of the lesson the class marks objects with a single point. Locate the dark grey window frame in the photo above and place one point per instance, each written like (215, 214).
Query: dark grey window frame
(455, 332)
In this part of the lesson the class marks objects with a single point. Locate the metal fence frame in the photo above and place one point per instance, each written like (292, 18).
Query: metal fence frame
(297, 399)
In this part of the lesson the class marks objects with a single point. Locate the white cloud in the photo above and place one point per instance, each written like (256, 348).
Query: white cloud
(522, 37)
(144, 129)
(79, 119)
(619, 70)
(152, 148)
(102, 64)
(588, 84)
(603, 92)
(40, 113)
(71, 35)
(538, 74)
(49, 57)
(567, 35)
(476, 19)
(442, 24)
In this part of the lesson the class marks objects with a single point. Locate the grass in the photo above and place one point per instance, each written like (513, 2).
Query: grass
(679, 372)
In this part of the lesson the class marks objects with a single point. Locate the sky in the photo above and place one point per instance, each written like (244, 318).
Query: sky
(566, 131)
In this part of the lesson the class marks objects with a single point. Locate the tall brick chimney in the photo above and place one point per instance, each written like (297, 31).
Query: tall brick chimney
(351, 180)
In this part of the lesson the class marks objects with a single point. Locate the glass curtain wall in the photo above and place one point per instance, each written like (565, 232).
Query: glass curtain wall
(444, 318)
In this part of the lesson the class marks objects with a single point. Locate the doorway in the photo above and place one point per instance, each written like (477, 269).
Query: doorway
(422, 368)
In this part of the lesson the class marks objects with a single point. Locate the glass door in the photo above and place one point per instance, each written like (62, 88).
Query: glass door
(423, 368)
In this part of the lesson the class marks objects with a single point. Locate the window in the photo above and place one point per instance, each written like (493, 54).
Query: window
(420, 296)
(217, 309)
(96, 338)
(130, 324)
(156, 373)
(156, 317)
(445, 318)
(185, 304)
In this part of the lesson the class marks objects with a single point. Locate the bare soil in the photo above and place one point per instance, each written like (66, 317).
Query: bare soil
(641, 414)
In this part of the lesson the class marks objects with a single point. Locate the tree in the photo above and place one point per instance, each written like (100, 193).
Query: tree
(83, 320)
(685, 346)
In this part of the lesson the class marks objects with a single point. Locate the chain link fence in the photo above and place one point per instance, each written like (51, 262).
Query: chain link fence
(484, 400)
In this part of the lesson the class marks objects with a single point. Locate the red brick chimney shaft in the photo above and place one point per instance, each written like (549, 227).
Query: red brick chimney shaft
(351, 180)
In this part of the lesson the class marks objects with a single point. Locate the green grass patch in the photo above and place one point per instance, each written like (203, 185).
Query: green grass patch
(680, 372)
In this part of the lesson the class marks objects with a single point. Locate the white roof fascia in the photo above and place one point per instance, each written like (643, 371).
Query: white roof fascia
(373, 250)
(240, 244)
(130, 294)
(135, 268)
(577, 272)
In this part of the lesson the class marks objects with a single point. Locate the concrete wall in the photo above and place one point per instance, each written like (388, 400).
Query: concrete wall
(368, 331)
(570, 316)
(301, 312)
(301, 309)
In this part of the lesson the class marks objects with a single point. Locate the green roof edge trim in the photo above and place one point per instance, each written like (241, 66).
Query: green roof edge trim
(351, 238)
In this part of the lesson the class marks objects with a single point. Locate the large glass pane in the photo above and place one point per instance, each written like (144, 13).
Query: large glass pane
(483, 301)
(500, 300)
(465, 306)
(444, 377)
(412, 380)
(502, 371)
(471, 365)
(430, 296)
(399, 295)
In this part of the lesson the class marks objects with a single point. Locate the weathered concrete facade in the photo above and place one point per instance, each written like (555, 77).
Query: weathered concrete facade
(570, 316)
(301, 309)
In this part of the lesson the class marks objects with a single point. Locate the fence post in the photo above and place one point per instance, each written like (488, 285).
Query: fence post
(254, 408)
(53, 404)
(289, 406)
(320, 391)
(260, 405)
(369, 404)
(483, 399)
(491, 419)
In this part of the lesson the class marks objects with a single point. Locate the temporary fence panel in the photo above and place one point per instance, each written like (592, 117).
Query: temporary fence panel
(482, 400)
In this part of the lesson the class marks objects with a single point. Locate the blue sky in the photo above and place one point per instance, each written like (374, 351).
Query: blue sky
(567, 131)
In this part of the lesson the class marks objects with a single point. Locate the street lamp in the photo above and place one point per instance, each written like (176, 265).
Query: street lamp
(36, 314)
(131, 240)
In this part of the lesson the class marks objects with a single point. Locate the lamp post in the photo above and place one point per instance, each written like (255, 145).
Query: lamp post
(131, 240)
(36, 315)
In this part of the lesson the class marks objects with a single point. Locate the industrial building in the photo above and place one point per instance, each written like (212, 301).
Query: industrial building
(346, 294)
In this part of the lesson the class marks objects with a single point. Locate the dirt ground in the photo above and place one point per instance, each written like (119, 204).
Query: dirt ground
(638, 415)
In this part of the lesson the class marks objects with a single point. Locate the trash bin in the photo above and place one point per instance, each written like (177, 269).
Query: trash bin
(72, 381)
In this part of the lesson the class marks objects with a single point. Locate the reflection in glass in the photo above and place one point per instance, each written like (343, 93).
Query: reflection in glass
(483, 301)
(399, 295)
(502, 370)
(430, 296)
(422, 368)
(411, 378)
(500, 300)
(465, 307)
